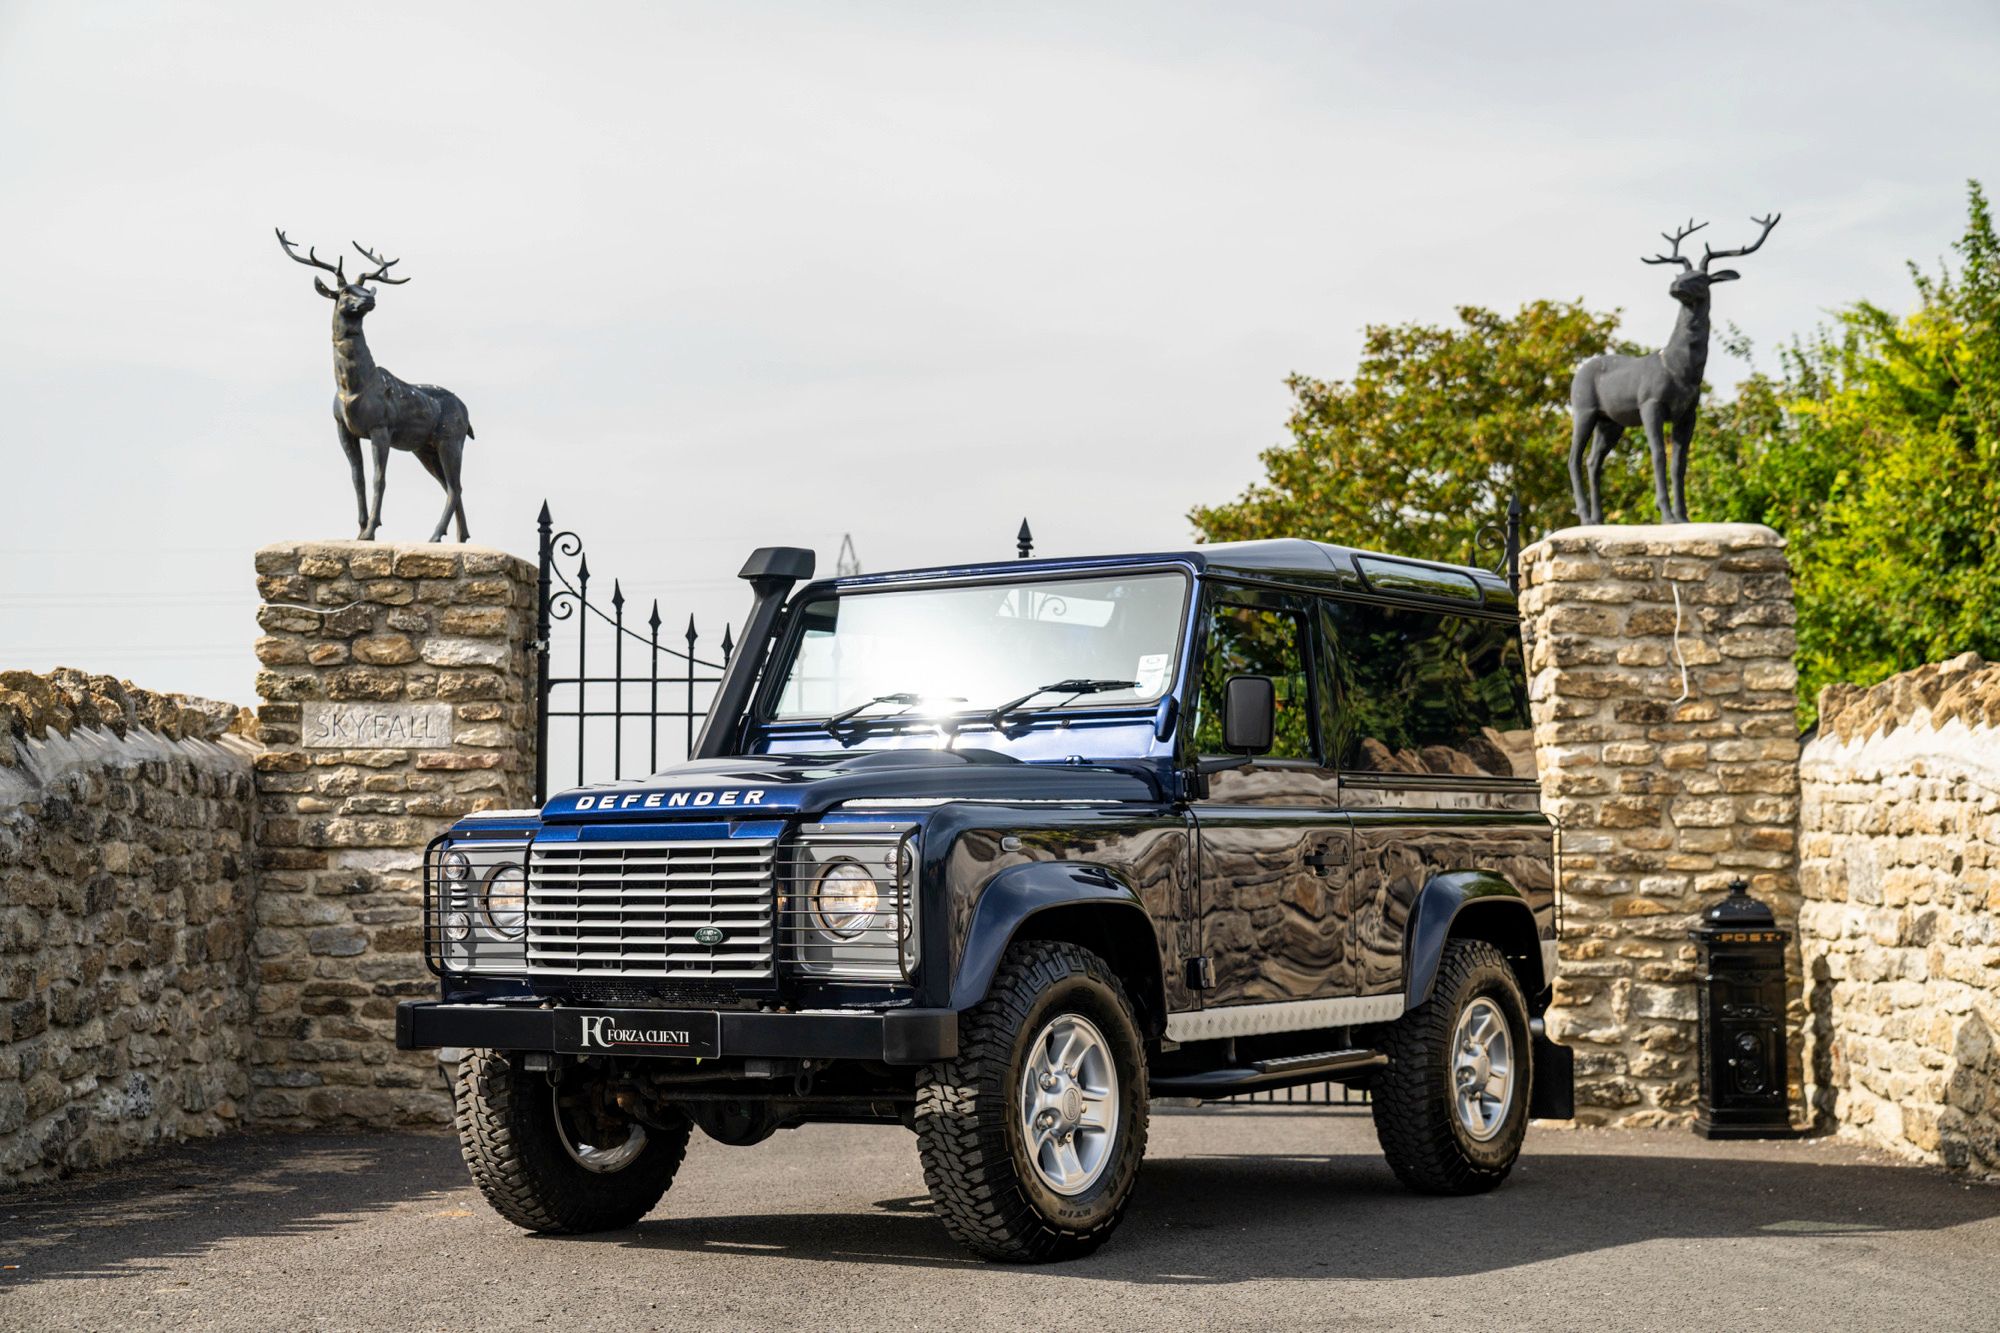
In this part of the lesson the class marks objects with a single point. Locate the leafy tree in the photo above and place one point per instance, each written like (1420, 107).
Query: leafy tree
(1439, 426)
(1873, 446)
(1876, 451)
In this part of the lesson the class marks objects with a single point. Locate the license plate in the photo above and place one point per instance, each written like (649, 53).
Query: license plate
(639, 1032)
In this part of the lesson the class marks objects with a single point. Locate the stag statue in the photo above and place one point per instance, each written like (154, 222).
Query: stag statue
(1660, 389)
(369, 402)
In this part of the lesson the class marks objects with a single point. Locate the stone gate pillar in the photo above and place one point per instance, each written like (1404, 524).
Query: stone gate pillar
(396, 695)
(1664, 690)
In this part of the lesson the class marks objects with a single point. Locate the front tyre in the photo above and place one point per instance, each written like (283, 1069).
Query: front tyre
(1451, 1110)
(1031, 1138)
(555, 1156)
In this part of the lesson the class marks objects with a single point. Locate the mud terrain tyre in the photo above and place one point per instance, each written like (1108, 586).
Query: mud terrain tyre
(538, 1170)
(1031, 1138)
(1451, 1109)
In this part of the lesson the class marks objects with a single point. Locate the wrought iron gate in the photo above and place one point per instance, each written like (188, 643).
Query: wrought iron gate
(671, 693)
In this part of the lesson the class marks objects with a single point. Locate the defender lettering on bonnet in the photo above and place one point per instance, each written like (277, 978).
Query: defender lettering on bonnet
(670, 800)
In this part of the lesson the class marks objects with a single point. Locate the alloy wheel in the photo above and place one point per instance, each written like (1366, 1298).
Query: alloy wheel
(1069, 1104)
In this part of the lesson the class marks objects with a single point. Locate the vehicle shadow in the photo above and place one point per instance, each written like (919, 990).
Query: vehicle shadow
(1197, 1218)
(149, 1214)
(1227, 1218)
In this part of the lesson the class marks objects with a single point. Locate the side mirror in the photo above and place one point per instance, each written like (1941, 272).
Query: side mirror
(1249, 714)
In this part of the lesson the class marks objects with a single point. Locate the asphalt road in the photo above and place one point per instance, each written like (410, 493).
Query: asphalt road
(1243, 1219)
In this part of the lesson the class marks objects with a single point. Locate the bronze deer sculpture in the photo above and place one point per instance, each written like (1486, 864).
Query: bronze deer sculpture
(1661, 389)
(371, 403)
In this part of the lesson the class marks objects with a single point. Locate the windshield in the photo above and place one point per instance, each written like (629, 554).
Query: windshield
(973, 648)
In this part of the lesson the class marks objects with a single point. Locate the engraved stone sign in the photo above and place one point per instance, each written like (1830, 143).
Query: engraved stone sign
(376, 726)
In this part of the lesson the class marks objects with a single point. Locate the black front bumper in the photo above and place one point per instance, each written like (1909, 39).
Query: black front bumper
(896, 1036)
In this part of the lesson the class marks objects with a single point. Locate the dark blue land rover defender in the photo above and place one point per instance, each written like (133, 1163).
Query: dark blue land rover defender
(1002, 852)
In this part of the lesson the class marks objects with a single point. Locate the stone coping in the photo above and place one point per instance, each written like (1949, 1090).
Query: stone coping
(1966, 687)
(32, 705)
(1654, 539)
(358, 559)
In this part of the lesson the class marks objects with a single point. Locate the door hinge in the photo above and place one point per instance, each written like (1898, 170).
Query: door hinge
(1200, 973)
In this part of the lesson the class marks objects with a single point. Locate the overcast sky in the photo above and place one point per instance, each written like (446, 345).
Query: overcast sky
(711, 277)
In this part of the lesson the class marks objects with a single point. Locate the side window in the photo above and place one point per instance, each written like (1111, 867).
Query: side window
(1424, 692)
(1256, 641)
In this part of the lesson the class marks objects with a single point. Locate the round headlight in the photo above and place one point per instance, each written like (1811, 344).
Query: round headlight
(457, 925)
(846, 899)
(457, 867)
(505, 900)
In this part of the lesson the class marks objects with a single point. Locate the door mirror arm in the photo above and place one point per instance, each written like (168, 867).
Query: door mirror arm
(1198, 773)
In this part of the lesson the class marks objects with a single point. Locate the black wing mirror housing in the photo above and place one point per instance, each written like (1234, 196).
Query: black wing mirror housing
(1249, 723)
(1249, 714)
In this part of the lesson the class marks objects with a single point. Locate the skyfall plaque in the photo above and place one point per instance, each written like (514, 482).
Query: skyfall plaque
(376, 726)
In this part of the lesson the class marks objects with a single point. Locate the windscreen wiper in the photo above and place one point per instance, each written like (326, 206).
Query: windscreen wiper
(846, 715)
(1069, 689)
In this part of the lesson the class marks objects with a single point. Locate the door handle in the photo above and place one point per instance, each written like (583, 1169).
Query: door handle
(1320, 862)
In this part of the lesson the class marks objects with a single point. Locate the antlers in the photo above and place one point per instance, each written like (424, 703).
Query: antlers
(337, 268)
(382, 267)
(1766, 223)
(312, 260)
(1680, 234)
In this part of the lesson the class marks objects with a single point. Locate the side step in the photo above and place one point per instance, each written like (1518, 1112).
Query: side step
(1283, 1072)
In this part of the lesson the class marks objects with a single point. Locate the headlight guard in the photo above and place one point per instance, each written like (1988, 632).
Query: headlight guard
(847, 910)
(475, 902)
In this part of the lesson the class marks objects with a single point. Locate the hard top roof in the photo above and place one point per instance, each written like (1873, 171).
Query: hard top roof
(1319, 565)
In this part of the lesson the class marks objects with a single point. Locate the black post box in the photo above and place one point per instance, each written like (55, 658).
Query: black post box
(1741, 949)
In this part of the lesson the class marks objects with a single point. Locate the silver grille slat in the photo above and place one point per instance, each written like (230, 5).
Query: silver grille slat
(637, 887)
(611, 909)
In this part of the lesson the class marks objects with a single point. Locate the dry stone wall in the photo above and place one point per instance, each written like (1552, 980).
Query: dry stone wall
(397, 695)
(1900, 925)
(1664, 694)
(125, 896)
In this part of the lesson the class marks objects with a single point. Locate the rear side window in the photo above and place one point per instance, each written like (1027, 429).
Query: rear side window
(1256, 641)
(1425, 692)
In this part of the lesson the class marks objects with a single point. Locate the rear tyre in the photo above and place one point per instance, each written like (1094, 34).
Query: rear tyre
(1031, 1138)
(1451, 1110)
(556, 1157)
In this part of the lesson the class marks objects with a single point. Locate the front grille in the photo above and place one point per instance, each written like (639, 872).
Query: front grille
(631, 909)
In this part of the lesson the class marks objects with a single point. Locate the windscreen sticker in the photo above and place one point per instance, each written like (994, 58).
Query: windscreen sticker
(1151, 672)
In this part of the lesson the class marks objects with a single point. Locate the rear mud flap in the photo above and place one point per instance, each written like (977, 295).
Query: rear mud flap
(1552, 1096)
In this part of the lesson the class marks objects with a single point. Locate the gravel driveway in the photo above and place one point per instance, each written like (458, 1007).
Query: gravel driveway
(1246, 1218)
